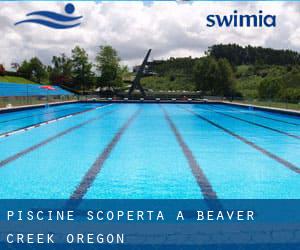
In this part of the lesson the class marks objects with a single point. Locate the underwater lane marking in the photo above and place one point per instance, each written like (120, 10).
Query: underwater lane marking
(201, 179)
(273, 119)
(27, 128)
(94, 170)
(256, 124)
(50, 139)
(262, 116)
(280, 160)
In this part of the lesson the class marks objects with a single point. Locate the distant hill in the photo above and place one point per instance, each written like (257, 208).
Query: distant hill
(259, 73)
(239, 55)
(172, 74)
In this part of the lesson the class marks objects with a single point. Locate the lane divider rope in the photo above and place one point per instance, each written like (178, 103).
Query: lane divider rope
(50, 139)
(17, 131)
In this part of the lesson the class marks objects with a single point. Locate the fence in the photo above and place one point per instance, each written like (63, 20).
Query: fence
(287, 104)
(11, 97)
(14, 94)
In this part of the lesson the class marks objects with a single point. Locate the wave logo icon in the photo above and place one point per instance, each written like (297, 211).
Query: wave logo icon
(54, 20)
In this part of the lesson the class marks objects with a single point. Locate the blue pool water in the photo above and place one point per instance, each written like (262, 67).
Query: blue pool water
(149, 151)
(17, 120)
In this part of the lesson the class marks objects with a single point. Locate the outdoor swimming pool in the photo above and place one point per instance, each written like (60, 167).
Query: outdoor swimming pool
(124, 150)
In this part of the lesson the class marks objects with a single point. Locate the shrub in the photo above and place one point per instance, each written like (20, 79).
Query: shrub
(172, 78)
(269, 88)
(290, 95)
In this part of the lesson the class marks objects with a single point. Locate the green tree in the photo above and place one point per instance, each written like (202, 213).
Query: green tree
(61, 71)
(83, 76)
(213, 76)
(38, 70)
(108, 65)
(205, 74)
(224, 83)
(270, 88)
(25, 69)
(33, 70)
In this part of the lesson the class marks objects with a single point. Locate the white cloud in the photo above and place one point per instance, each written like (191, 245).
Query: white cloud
(169, 28)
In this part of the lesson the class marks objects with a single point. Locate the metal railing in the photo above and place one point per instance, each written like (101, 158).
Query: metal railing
(15, 101)
(274, 103)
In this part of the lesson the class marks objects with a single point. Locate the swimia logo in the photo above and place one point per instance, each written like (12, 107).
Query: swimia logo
(54, 20)
(239, 20)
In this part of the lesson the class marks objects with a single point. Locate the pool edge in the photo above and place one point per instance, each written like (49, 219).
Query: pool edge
(242, 105)
(263, 108)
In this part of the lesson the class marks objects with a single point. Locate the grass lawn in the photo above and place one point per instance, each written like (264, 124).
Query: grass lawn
(15, 79)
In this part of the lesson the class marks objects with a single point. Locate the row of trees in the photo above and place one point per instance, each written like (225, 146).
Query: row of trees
(217, 73)
(238, 55)
(77, 71)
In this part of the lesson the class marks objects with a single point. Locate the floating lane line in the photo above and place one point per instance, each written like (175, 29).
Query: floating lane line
(265, 117)
(201, 179)
(94, 170)
(256, 124)
(27, 128)
(38, 114)
(280, 160)
(50, 139)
